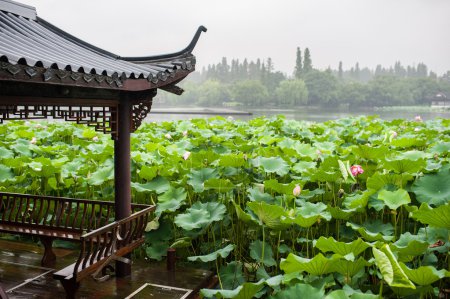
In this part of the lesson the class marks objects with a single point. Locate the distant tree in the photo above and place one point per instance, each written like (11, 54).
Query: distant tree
(292, 93)
(322, 87)
(422, 70)
(250, 93)
(298, 64)
(340, 71)
(356, 73)
(307, 62)
(212, 93)
(352, 93)
(269, 66)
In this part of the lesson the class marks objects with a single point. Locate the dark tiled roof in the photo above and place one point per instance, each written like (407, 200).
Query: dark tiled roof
(26, 39)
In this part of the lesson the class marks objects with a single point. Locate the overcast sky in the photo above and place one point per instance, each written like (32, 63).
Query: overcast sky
(370, 32)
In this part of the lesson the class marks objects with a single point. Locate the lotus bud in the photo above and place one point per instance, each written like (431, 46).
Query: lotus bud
(168, 136)
(186, 155)
(356, 170)
(394, 134)
(185, 133)
(245, 157)
(418, 118)
(297, 190)
(33, 140)
(416, 129)
(95, 139)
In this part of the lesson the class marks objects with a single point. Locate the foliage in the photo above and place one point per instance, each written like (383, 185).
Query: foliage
(271, 203)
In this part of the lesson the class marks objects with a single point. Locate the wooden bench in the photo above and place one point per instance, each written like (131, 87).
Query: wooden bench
(89, 222)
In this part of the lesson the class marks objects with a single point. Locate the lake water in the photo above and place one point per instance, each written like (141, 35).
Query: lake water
(308, 113)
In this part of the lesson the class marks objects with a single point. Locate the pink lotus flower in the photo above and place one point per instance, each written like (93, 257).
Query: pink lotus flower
(394, 134)
(356, 170)
(95, 139)
(33, 140)
(186, 155)
(418, 118)
(297, 190)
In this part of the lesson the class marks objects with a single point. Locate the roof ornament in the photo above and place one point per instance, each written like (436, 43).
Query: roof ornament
(185, 51)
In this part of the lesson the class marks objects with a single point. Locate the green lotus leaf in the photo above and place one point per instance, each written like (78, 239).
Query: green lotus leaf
(52, 183)
(409, 246)
(375, 231)
(438, 217)
(193, 219)
(5, 153)
(256, 253)
(399, 165)
(441, 147)
(232, 160)
(247, 290)
(337, 294)
(413, 155)
(157, 250)
(309, 209)
(148, 173)
(22, 148)
(330, 244)
(5, 173)
(349, 268)
(197, 178)
(390, 268)
(318, 265)
(272, 165)
(255, 194)
(322, 175)
(231, 275)
(244, 217)
(379, 180)
(338, 213)
(302, 166)
(368, 152)
(178, 194)
(182, 243)
(219, 185)
(300, 290)
(216, 210)
(301, 220)
(424, 275)
(394, 199)
(306, 150)
(158, 185)
(269, 215)
(168, 206)
(357, 201)
(433, 189)
(364, 296)
(101, 175)
(409, 142)
(223, 252)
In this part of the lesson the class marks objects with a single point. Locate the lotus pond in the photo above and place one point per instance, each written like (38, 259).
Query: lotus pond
(352, 208)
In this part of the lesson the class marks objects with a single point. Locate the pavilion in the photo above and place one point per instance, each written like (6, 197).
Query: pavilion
(46, 72)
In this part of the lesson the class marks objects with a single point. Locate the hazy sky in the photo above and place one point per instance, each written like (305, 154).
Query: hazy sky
(370, 32)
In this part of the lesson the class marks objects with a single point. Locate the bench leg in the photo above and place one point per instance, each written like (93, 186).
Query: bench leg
(71, 287)
(49, 257)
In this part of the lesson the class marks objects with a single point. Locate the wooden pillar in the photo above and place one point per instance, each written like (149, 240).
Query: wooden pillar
(122, 172)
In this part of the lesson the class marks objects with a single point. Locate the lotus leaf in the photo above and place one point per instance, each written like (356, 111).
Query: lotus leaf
(5, 153)
(157, 250)
(438, 217)
(390, 268)
(300, 291)
(373, 231)
(148, 173)
(193, 219)
(231, 275)
(330, 244)
(349, 268)
(244, 217)
(301, 166)
(245, 291)
(232, 160)
(5, 173)
(269, 215)
(368, 152)
(357, 201)
(223, 252)
(424, 275)
(409, 246)
(219, 185)
(338, 213)
(101, 176)
(379, 181)
(255, 194)
(256, 253)
(318, 265)
(158, 185)
(197, 178)
(272, 165)
(394, 199)
(433, 189)
(399, 165)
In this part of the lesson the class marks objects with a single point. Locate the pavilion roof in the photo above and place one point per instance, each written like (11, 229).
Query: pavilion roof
(27, 40)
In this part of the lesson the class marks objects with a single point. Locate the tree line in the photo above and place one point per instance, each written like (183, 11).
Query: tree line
(256, 83)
